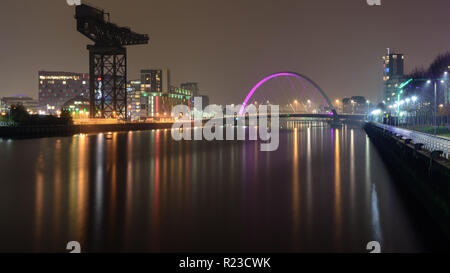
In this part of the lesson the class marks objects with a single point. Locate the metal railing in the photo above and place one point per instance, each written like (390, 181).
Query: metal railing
(430, 142)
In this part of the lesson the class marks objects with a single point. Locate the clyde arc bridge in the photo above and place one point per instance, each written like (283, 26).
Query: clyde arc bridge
(303, 78)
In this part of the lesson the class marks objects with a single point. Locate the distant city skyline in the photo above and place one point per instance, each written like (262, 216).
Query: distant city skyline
(228, 46)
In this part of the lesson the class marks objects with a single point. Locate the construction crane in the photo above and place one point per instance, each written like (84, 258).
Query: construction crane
(107, 61)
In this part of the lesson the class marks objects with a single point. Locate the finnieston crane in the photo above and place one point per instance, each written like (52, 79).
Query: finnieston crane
(107, 61)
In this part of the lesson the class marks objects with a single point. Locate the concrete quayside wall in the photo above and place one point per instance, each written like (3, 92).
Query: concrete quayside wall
(422, 176)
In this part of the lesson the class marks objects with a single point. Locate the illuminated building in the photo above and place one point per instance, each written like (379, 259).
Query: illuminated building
(161, 105)
(156, 80)
(3, 107)
(154, 98)
(29, 103)
(137, 101)
(191, 86)
(355, 105)
(148, 99)
(393, 74)
(78, 107)
(56, 88)
(195, 90)
(157, 104)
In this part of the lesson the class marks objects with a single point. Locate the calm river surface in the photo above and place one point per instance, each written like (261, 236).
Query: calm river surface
(323, 190)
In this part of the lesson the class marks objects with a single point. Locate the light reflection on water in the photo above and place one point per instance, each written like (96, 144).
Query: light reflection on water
(142, 191)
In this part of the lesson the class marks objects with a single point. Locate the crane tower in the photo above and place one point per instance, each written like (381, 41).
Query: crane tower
(107, 61)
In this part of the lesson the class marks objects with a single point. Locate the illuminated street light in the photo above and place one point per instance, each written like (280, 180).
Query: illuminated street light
(376, 112)
(414, 99)
(435, 101)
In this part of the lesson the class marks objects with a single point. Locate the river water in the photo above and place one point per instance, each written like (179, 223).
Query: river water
(324, 190)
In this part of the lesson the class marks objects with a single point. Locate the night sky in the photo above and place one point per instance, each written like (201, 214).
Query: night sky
(229, 45)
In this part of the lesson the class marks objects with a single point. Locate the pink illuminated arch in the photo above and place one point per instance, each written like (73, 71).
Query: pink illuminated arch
(284, 74)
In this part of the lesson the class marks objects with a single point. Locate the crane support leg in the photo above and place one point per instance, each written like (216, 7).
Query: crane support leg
(108, 80)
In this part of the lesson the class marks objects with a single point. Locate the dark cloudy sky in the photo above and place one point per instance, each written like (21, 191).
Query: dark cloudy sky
(228, 45)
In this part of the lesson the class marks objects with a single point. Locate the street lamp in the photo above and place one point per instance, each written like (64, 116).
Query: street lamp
(435, 101)
(414, 99)
(338, 105)
(368, 107)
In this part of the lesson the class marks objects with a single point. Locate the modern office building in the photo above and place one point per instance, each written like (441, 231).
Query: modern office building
(192, 86)
(156, 80)
(393, 74)
(29, 103)
(56, 88)
(161, 104)
(137, 100)
(148, 100)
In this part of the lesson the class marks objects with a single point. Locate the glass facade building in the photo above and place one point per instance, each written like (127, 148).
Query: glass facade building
(56, 88)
